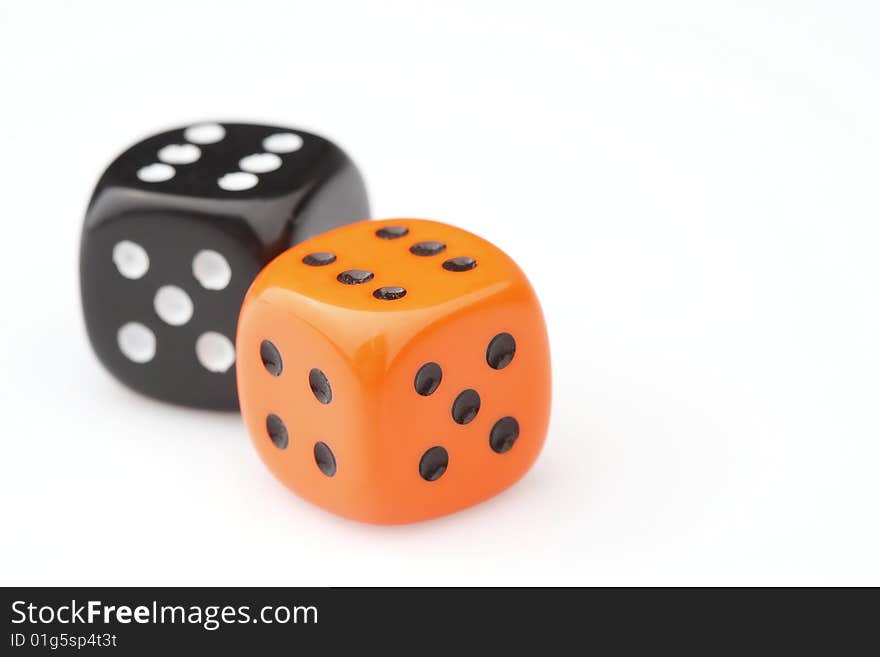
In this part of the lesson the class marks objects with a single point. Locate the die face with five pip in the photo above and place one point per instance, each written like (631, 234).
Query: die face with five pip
(178, 227)
(394, 371)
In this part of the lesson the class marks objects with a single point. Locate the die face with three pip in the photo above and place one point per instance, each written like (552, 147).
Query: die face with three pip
(394, 371)
(176, 230)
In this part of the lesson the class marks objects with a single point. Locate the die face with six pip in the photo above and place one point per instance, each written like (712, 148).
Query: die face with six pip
(394, 371)
(178, 227)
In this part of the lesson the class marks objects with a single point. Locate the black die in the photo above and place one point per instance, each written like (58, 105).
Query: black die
(178, 227)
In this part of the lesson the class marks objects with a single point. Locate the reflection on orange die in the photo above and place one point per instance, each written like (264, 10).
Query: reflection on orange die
(394, 371)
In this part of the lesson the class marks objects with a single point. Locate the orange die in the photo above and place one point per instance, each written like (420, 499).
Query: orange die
(394, 371)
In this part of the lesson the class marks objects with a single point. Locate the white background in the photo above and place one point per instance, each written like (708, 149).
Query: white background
(692, 188)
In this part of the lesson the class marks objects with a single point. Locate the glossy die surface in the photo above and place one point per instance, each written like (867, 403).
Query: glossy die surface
(176, 230)
(394, 371)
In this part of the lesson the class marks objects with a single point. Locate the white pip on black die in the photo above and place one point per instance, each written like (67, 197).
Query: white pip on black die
(176, 230)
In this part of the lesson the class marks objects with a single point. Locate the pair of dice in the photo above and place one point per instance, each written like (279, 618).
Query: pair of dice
(389, 371)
